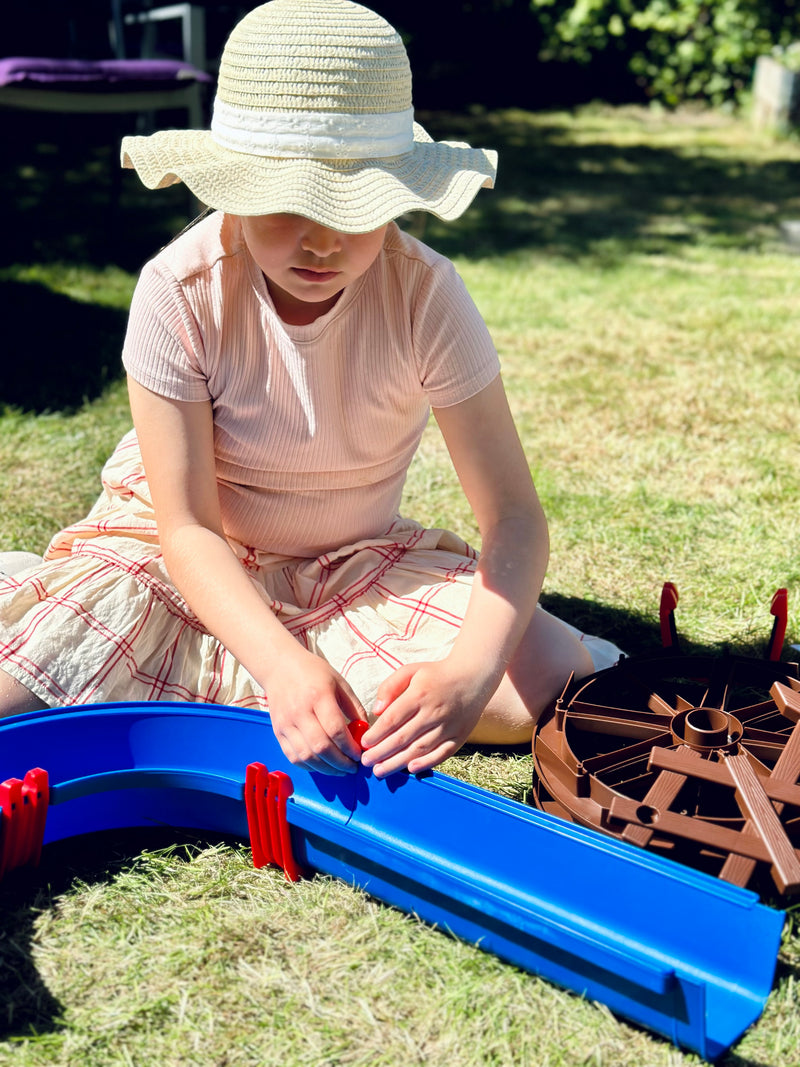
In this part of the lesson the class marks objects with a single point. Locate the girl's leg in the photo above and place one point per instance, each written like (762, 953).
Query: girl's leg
(14, 562)
(15, 698)
(547, 655)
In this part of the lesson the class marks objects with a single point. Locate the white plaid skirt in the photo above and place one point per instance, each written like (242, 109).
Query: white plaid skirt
(99, 619)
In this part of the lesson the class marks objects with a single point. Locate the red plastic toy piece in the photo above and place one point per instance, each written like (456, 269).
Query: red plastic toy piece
(265, 795)
(357, 730)
(11, 804)
(669, 601)
(780, 609)
(23, 808)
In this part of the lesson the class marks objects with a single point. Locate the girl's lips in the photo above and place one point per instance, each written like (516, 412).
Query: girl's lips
(315, 275)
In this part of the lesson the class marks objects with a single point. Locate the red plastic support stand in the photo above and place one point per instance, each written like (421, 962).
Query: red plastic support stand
(23, 813)
(265, 795)
(780, 609)
(669, 601)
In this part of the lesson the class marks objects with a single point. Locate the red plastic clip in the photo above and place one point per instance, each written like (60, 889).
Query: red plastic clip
(357, 728)
(669, 601)
(780, 609)
(265, 796)
(23, 808)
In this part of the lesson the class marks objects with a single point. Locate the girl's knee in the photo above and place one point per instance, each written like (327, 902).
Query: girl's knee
(15, 698)
(506, 720)
(549, 654)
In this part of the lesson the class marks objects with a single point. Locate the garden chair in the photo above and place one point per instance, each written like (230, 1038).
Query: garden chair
(121, 83)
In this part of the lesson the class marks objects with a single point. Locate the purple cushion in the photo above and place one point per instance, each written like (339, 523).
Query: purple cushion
(100, 74)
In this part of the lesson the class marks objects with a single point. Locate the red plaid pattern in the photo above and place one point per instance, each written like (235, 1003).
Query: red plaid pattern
(100, 620)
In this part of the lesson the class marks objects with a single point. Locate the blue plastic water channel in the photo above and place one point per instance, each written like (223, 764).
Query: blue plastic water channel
(674, 950)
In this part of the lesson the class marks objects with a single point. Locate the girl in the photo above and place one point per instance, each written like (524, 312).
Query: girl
(283, 356)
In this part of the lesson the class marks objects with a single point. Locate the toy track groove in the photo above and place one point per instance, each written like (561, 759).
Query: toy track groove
(696, 758)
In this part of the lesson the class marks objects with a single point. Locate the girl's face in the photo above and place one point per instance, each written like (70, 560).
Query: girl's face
(307, 265)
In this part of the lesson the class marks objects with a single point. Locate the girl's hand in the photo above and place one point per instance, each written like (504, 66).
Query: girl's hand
(426, 713)
(310, 705)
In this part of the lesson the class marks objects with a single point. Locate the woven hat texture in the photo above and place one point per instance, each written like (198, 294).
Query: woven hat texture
(313, 116)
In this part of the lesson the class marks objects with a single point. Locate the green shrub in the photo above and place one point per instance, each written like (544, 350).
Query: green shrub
(679, 50)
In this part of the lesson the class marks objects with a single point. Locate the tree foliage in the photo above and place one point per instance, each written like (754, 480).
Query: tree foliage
(678, 50)
(526, 53)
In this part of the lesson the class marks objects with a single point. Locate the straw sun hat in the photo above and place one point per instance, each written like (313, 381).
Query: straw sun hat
(313, 116)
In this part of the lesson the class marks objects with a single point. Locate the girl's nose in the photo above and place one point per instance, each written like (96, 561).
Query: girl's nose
(321, 241)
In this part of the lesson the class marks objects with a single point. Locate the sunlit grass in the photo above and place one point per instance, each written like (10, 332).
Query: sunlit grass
(657, 404)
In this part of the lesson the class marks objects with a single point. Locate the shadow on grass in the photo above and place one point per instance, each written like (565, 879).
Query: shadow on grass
(68, 200)
(640, 635)
(564, 188)
(636, 635)
(58, 352)
(557, 193)
(29, 1008)
(734, 1060)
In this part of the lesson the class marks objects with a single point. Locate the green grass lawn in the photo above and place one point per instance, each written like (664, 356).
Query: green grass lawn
(631, 267)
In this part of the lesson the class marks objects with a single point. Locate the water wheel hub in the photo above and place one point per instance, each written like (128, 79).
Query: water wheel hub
(707, 730)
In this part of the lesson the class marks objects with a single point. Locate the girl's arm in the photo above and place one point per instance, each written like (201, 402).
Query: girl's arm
(310, 704)
(427, 711)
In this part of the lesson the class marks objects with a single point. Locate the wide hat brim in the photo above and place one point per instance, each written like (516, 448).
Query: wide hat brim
(352, 196)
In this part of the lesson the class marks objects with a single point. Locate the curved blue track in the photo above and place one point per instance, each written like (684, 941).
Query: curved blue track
(585, 911)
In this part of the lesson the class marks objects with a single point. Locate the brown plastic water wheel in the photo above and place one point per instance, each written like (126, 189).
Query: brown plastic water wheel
(694, 757)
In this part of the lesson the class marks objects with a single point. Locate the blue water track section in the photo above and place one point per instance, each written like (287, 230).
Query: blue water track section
(671, 949)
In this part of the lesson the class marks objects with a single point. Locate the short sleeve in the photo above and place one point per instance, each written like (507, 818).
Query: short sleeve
(163, 348)
(455, 352)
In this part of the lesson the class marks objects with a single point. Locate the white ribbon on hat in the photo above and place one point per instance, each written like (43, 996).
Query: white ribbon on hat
(312, 134)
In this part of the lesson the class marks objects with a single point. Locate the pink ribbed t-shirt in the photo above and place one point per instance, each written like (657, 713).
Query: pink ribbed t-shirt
(315, 426)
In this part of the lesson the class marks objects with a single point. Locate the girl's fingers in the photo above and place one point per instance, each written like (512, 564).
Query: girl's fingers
(312, 707)
(394, 706)
(419, 756)
(350, 705)
(433, 758)
(430, 718)
(328, 760)
(393, 687)
(337, 716)
(322, 742)
(397, 727)
(407, 733)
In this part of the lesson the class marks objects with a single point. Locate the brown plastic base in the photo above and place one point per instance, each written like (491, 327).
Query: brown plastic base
(697, 758)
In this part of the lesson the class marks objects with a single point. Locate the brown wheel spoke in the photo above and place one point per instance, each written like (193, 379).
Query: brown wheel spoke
(757, 807)
(618, 721)
(787, 766)
(681, 704)
(787, 700)
(608, 762)
(765, 709)
(718, 692)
